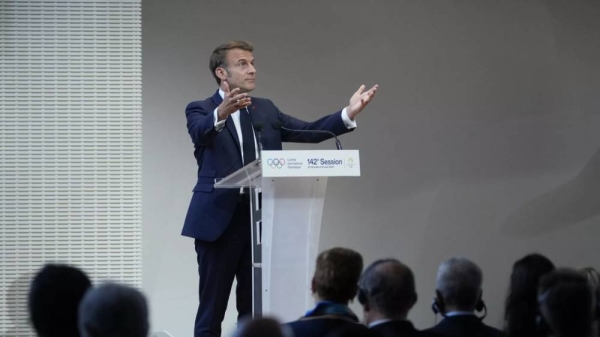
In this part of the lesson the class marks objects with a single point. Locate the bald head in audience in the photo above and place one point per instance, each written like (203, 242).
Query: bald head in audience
(387, 291)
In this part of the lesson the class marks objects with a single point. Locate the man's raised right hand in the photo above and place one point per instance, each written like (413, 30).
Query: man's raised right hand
(232, 101)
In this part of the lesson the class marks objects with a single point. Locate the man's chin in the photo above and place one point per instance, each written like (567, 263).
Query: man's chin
(249, 88)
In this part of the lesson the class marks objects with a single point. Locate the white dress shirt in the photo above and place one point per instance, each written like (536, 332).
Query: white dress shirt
(459, 313)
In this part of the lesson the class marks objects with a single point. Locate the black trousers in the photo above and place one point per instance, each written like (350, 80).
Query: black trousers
(219, 262)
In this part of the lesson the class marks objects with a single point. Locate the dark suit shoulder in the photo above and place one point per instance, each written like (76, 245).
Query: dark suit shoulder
(323, 327)
(199, 104)
(193, 105)
(263, 103)
(209, 104)
(398, 329)
(491, 331)
(464, 326)
(261, 99)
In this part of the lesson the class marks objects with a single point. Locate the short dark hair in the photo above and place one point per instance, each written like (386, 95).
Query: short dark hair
(337, 274)
(389, 286)
(218, 58)
(54, 296)
(113, 310)
(565, 299)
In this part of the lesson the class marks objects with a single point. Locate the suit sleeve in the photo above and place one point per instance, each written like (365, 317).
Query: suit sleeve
(200, 124)
(332, 122)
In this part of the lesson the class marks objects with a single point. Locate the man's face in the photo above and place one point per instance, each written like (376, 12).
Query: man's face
(239, 70)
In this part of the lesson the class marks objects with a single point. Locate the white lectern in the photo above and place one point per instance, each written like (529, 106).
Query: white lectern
(286, 223)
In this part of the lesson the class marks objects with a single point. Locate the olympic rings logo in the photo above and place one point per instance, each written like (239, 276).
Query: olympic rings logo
(276, 162)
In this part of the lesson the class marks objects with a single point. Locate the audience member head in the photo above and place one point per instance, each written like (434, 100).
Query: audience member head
(260, 327)
(566, 304)
(521, 307)
(54, 296)
(458, 286)
(113, 310)
(387, 290)
(593, 278)
(336, 275)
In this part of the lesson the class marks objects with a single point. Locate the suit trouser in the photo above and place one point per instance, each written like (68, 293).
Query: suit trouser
(219, 262)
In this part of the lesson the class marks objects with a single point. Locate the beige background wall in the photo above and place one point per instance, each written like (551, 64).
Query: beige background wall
(483, 140)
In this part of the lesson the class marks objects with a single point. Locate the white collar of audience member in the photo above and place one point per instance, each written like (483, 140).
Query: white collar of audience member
(459, 313)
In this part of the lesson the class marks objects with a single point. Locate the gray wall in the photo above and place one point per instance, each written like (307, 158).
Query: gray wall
(482, 141)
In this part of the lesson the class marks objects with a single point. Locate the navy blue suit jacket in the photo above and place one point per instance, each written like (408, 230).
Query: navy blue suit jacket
(218, 154)
(322, 327)
(398, 328)
(464, 326)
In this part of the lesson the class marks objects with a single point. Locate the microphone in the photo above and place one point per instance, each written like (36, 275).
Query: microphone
(258, 129)
(278, 126)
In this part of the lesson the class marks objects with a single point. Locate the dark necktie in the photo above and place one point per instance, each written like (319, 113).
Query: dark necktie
(247, 137)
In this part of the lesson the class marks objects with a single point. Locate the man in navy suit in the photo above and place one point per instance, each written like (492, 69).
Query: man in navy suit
(221, 128)
(387, 293)
(458, 296)
(333, 285)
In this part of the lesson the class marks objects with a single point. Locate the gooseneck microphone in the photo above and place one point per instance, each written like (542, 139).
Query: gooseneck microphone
(258, 130)
(338, 144)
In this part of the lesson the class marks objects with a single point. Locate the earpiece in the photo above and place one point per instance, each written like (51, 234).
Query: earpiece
(481, 307)
(437, 305)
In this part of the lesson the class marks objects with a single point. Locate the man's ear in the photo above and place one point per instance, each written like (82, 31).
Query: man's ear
(313, 286)
(366, 307)
(221, 73)
(414, 299)
(364, 300)
(479, 306)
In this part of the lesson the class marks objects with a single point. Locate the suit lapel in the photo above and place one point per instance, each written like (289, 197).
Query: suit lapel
(229, 124)
(256, 116)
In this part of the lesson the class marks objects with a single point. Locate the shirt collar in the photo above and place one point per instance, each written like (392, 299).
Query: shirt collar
(331, 308)
(459, 313)
(379, 321)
